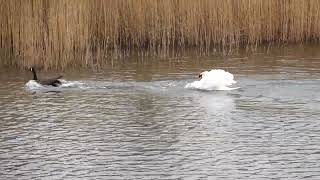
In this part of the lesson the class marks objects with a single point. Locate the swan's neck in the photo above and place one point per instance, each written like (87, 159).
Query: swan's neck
(34, 75)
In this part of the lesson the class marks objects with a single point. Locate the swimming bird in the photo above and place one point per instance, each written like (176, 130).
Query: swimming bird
(216, 79)
(49, 81)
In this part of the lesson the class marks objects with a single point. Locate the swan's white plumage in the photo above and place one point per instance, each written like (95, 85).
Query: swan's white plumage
(216, 79)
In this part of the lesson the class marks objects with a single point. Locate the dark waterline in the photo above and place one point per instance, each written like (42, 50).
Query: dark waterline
(135, 120)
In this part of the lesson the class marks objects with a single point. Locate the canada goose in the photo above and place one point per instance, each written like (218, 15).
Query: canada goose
(49, 82)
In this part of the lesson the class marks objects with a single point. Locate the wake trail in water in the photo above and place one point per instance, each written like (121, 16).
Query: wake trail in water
(34, 86)
(173, 86)
(156, 86)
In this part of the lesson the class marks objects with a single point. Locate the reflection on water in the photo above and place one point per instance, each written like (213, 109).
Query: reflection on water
(218, 103)
(126, 123)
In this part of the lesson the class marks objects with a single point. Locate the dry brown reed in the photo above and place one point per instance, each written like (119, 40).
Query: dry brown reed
(64, 33)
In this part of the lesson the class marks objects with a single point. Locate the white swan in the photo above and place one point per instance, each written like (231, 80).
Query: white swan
(216, 79)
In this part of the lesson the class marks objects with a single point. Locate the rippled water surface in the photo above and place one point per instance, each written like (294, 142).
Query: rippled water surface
(135, 120)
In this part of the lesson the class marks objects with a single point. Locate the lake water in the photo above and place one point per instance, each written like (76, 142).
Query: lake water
(134, 119)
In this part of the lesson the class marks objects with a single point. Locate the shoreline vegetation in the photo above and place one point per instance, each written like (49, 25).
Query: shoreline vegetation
(74, 33)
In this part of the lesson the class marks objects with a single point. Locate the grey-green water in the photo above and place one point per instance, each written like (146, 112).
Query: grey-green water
(135, 120)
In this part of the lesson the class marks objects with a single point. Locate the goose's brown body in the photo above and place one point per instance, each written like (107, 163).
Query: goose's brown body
(48, 81)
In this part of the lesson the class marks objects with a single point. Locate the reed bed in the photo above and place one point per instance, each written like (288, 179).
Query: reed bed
(69, 33)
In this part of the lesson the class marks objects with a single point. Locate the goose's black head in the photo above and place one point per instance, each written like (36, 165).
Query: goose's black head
(34, 73)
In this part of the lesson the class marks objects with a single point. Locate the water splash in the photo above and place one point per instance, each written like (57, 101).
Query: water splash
(34, 86)
(197, 85)
(72, 84)
(107, 86)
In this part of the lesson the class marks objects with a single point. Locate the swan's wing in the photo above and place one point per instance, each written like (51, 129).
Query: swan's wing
(220, 76)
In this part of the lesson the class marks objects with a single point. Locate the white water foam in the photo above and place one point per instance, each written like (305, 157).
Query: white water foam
(72, 84)
(32, 86)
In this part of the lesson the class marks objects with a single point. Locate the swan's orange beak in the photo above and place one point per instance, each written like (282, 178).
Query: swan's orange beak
(200, 76)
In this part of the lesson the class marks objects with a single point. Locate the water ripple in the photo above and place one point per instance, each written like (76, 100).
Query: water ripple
(106, 129)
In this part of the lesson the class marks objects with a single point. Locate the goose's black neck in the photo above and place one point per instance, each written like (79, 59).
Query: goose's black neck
(34, 75)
